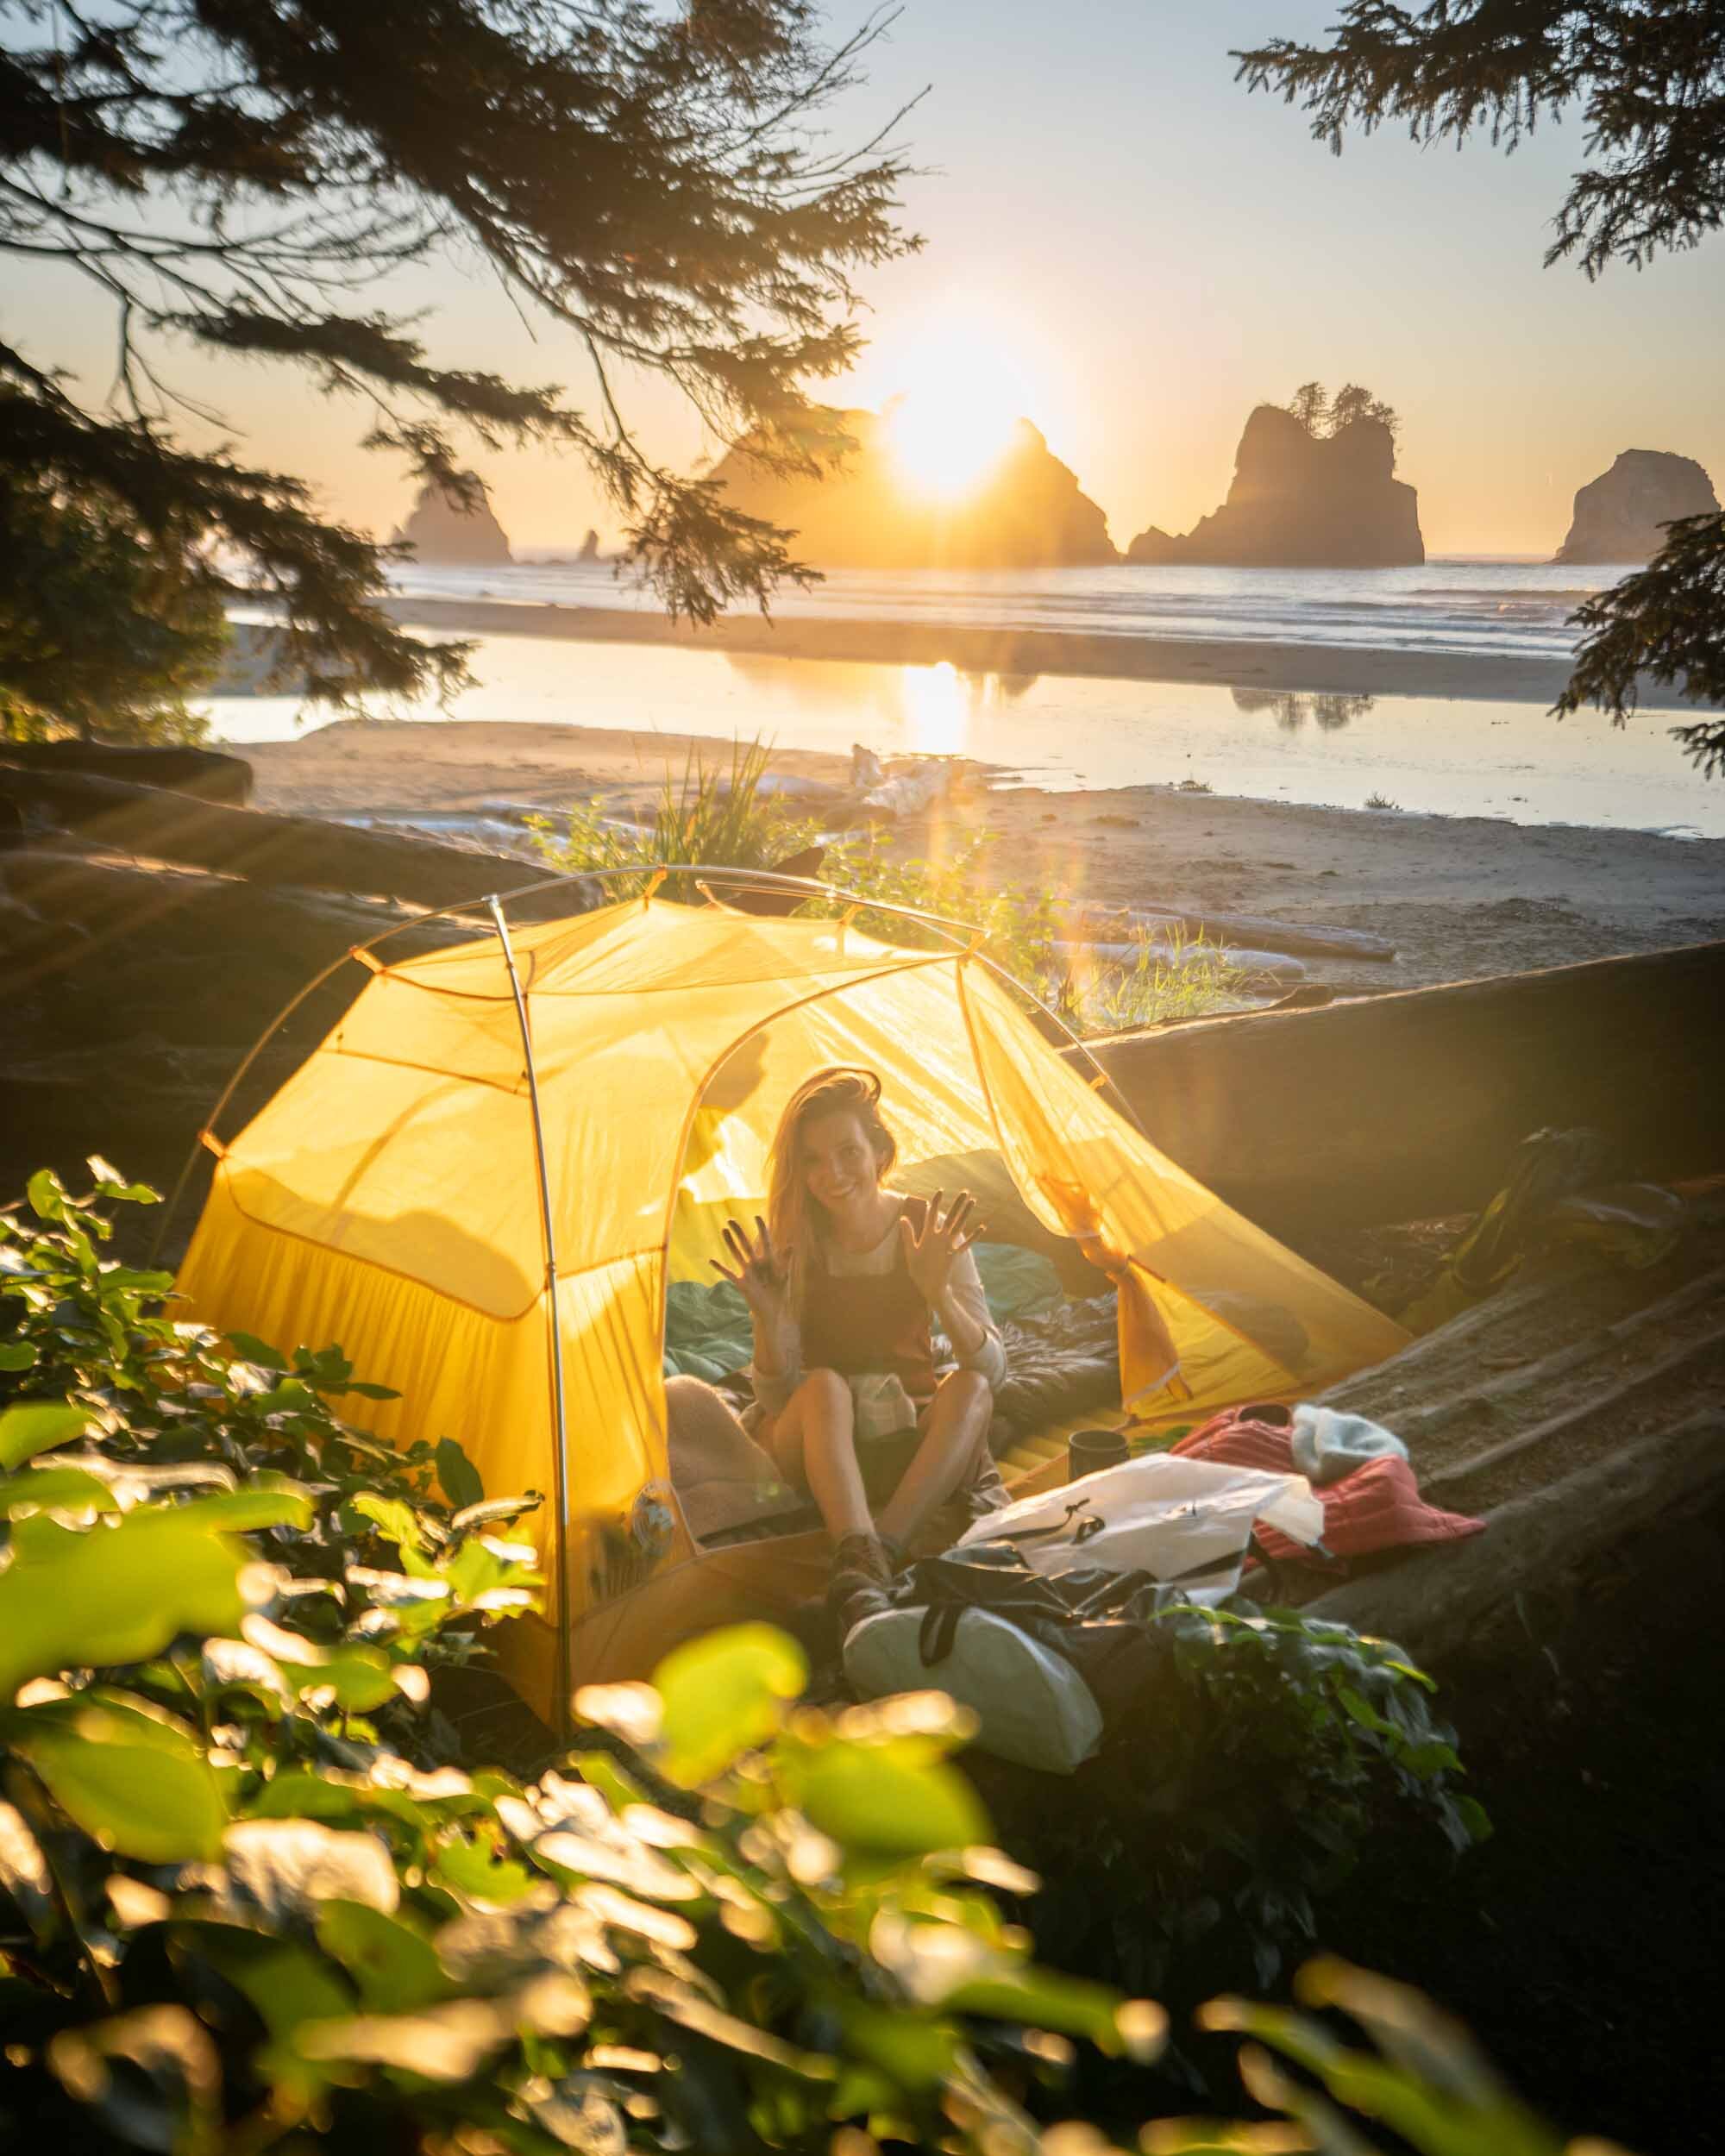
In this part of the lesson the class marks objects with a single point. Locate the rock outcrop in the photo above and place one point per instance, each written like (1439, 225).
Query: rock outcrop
(589, 546)
(1304, 501)
(1618, 515)
(443, 533)
(1027, 512)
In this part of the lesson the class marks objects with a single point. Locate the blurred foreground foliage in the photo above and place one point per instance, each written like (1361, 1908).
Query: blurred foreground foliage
(244, 1901)
(248, 1901)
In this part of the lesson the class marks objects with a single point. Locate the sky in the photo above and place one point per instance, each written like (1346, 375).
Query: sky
(1130, 251)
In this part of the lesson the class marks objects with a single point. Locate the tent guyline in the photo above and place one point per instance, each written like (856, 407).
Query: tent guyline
(547, 1125)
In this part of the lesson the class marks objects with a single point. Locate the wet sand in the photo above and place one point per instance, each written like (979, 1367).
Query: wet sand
(1340, 670)
(1461, 896)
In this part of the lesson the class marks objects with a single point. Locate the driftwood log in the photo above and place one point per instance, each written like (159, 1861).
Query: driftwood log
(1402, 1107)
(133, 993)
(300, 852)
(1458, 1597)
(210, 773)
(1256, 932)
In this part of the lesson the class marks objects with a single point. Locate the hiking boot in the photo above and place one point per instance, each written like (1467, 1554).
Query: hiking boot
(861, 1575)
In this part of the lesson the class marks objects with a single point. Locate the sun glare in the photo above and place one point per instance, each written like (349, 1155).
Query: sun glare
(946, 439)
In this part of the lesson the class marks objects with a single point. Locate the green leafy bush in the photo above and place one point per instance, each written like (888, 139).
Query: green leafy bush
(1266, 1755)
(241, 1910)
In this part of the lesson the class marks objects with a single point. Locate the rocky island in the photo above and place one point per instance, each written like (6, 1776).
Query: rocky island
(1025, 512)
(1619, 516)
(1304, 499)
(444, 533)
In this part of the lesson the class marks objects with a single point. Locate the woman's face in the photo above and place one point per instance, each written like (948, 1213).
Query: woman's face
(838, 1162)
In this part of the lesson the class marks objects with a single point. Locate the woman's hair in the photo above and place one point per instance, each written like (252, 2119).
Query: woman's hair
(791, 1211)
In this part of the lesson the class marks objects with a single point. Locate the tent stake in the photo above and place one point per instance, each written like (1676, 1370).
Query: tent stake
(560, 1473)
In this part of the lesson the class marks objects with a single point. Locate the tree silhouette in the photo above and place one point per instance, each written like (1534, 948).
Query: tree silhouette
(1322, 415)
(1649, 79)
(646, 186)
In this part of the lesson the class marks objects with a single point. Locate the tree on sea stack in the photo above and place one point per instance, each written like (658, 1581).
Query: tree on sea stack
(646, 186)
(1648, 77)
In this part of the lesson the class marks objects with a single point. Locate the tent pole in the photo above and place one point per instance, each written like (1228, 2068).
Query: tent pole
(560, 1473)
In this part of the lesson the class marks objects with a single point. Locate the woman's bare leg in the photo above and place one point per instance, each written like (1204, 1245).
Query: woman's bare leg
(958, 1419)
(819, 1422)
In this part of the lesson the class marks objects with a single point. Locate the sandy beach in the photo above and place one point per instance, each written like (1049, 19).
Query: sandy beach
(1460, 896)
(1339, 670)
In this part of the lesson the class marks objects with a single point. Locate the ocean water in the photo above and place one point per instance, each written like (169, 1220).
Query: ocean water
(1489, 606)
(1454, 757)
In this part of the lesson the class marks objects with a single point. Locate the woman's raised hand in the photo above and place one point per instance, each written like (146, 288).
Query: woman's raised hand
(930, 1255)
(760, 1273)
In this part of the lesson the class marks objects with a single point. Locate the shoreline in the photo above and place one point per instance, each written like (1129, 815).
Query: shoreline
(1462, 896)
(1318, 669)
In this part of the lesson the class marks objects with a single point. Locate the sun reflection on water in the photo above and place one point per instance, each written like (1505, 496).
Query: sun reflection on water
(936, 701)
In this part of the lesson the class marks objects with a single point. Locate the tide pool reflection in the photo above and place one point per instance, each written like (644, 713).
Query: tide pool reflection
(1293, 709)
(931, 710)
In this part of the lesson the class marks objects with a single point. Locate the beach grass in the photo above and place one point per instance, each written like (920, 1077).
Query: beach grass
(718, 812)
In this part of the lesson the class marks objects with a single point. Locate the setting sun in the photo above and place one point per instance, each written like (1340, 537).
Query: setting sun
(946, 439)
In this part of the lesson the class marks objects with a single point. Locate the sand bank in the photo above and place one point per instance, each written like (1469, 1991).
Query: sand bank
(1462, 896)
(1339, 670)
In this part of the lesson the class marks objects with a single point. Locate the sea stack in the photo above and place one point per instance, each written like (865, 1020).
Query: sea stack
(1027, 512)
(1304, 501)
(442, 532)
(1618, 516)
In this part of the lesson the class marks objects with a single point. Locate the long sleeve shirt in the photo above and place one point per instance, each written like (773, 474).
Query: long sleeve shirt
(772, 1389)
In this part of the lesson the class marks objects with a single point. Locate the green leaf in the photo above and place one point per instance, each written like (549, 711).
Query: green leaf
(246, 1511)
(395, 1969)
(37, 1425)
(477, 1870)
(17, 1355)
(723, 1694)
(459, 1478)
(47, 1195)
(116, 1593)
(111, 1183)
(55, 1488)
(393, 1521)
(287, 1983)
(137, 1781)
(889, 1799)
(259, 1352)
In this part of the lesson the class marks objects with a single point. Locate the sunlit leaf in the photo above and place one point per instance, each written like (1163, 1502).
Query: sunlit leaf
(117, 1594)
(55, 1490)
(290, 1867)
(137, 1782)
(394, 1966)
(37, 1425)
(480, 1871)
(886, 1801)
(725, 1694)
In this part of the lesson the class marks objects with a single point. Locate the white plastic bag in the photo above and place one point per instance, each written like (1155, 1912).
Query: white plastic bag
(1184, 1521)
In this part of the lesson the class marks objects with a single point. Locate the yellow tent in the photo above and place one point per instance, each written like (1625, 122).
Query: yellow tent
(390, 1198)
